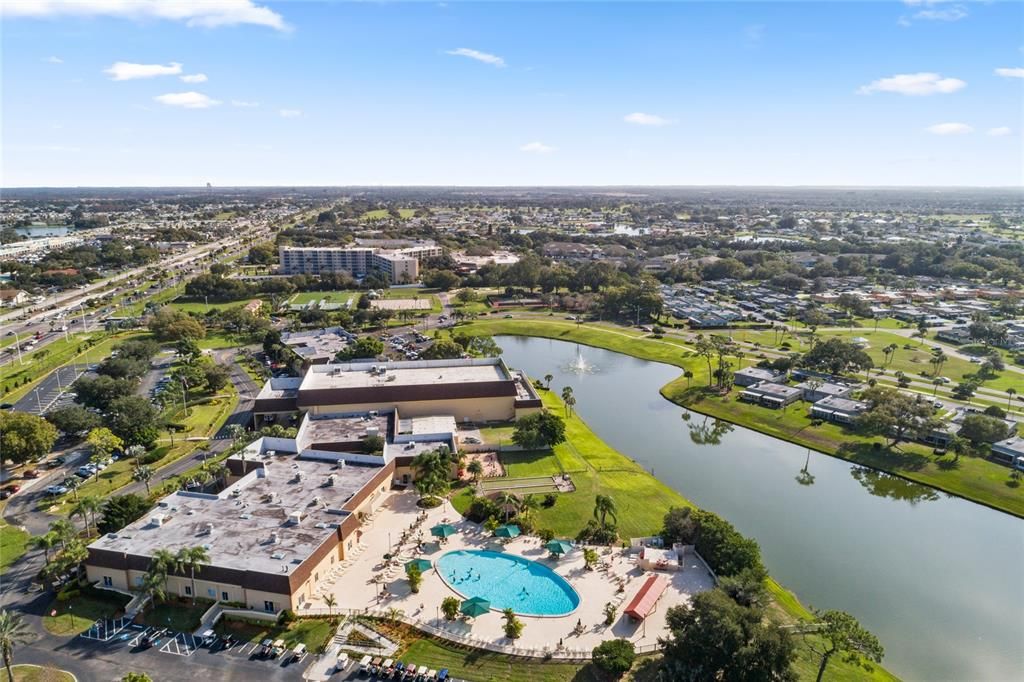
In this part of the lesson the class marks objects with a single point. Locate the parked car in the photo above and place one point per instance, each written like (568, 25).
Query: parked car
(56, 490)
(30, 473)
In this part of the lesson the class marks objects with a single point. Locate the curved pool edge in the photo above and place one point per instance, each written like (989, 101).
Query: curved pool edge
(461, 595)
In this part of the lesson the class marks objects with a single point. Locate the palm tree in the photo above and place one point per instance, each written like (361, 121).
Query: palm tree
(508, 501)
(567, 396)
(547, 381)
(604, 507)
(161, 564)
(959, 446)
(1010, 392)
(65, 530)
(476, 470)
(394, 614)
(153, 586)
(936, 382)
(331, 602)
(72, 484)
(135, 452)
(570, 403)
(13, 631)
(191, 559)
(529, 506)
(46, 542)
(687, 375)
(87, 508)
(589, 558)
(235, 432)
(143, 473)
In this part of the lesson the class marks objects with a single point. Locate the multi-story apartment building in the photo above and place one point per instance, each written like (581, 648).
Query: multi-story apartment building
(401, 265)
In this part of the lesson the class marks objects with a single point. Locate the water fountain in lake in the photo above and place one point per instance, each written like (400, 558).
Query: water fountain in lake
(579, 364)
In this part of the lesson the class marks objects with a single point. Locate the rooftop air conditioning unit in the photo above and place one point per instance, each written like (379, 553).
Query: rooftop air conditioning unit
(277, 555)
(374, 413)
(274, 538)
(207, 529)
(295, 517)
(272, 497)
(372, 431)
(332, 479)
(318, 500)
(157, 520)
(298, 476)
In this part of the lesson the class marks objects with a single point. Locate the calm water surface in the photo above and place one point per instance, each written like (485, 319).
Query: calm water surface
(937, 578)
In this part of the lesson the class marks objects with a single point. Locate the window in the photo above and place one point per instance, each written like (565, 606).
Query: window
(224, 596)
(268, 606)
(210, 592)
(108, 581)
(188, 590)
(138, 581)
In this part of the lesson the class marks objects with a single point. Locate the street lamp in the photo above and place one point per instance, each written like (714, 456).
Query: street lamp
(17, 344)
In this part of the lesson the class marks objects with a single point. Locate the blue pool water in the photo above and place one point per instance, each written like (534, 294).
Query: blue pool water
(527, 587)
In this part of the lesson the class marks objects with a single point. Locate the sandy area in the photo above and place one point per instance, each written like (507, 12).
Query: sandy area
(401, 304)
(492, 465)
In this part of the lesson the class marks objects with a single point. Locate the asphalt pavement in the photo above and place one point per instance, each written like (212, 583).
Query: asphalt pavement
(42, 397)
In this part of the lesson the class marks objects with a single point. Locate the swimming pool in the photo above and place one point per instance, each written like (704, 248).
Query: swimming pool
(508, 582)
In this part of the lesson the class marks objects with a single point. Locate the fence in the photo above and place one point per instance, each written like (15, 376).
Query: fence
(561, 654)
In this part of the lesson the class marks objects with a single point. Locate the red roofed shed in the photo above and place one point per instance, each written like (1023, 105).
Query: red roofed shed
(643, 603)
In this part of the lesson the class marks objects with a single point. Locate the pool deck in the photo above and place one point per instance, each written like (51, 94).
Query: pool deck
(354, 585)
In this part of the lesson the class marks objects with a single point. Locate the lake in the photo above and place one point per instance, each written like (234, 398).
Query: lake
(43, 231)
(937, 578)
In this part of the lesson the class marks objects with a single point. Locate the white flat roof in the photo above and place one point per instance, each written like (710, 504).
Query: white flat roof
(358, 375)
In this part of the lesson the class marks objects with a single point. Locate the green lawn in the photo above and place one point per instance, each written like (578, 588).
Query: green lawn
(75, 616)
(13, 544)
(35, 673)
(201, 308)
(494, 435)
(382, 213)
(313, 632)
(481, 665)
(219, 340)
(343, 295)
(182, 616)
(530, 463)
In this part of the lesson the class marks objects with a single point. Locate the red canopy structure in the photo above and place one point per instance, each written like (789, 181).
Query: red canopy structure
(642, 605)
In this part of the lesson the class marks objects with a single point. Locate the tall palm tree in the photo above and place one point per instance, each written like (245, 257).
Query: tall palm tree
(65, 530)
(161, 564)
(135, 452)
(13, 631)
(529, 506)
(566, 397)
(547, 380)
(143, 473)
(87, 508)
(508, 502)
(604, 507)
(191, 559)
(476, 470)
(331, 602)
(1010, 392)
(936, 382)
(153, 586)
(72, 484)
(688, 375)
(46, 542)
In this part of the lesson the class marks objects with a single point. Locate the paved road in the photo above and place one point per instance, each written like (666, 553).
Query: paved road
(49, 390)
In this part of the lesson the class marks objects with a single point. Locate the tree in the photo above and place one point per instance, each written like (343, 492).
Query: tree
(895, 415)
(46, 542)
(73, 419)
(475, 469)
(443, 348)
(330, 601)
(440, 279)
(836, 356)
(154, 586)
(25, 437)
(725, 549)
(539, 430)
(614, 656)
(100, 392)
(134, 420)
(191, 559)
(604, 506)
(135, 452)
(547, 381)
(1010, 392)
(433, 472)
(365, 347)
(568, 398)
(415, 576)
(450, 608)
(215, 376)
(688, 375)
(590, 558)
(173, 325)
(103, 442)
(981, 428)
(87, 508)
(840, 633)
(136, 677)
(13, 631)
(679, 525)
(513, 626)
(714, 638)
(121, 510)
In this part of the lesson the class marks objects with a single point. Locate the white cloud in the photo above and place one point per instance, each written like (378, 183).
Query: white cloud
(536, 148)
(187, 100)
(954, 13)
(1001, 131)
(126, 71)
(949, 129)
(924, 83)
(243, 103)
(642, 119)
(290, 113)
(492, 59)
(203, 13)
(1014, 72)
(194, 78)
(54, 60)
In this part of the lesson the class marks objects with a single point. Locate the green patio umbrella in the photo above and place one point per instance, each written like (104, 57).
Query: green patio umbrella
(510, 530)
(422, 564)
(443, 530)
(476, 606)
(559, 546)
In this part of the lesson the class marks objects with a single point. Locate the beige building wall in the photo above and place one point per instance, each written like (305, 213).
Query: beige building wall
(501, 408)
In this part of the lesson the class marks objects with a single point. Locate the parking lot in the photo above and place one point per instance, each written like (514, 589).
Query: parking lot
(51, 390)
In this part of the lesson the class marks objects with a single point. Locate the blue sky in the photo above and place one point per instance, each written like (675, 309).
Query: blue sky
(245, 92)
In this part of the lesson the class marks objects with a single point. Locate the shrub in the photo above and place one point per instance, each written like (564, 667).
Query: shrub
(615, 656)
(596, 534)
(550, 499)
(546, 534)
(68, 595)
(286, 617)
(480, 509)
(450, 608)
(725, 549)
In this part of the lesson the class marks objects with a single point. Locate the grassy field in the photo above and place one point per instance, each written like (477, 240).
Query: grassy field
(382, 214)
(220, 340)
(201, 308)
(313, 632)
(13, 544)
(182, 616)
(530, 463)
(35, 673)
(75, 616)
(343, 296)
(975, 479)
